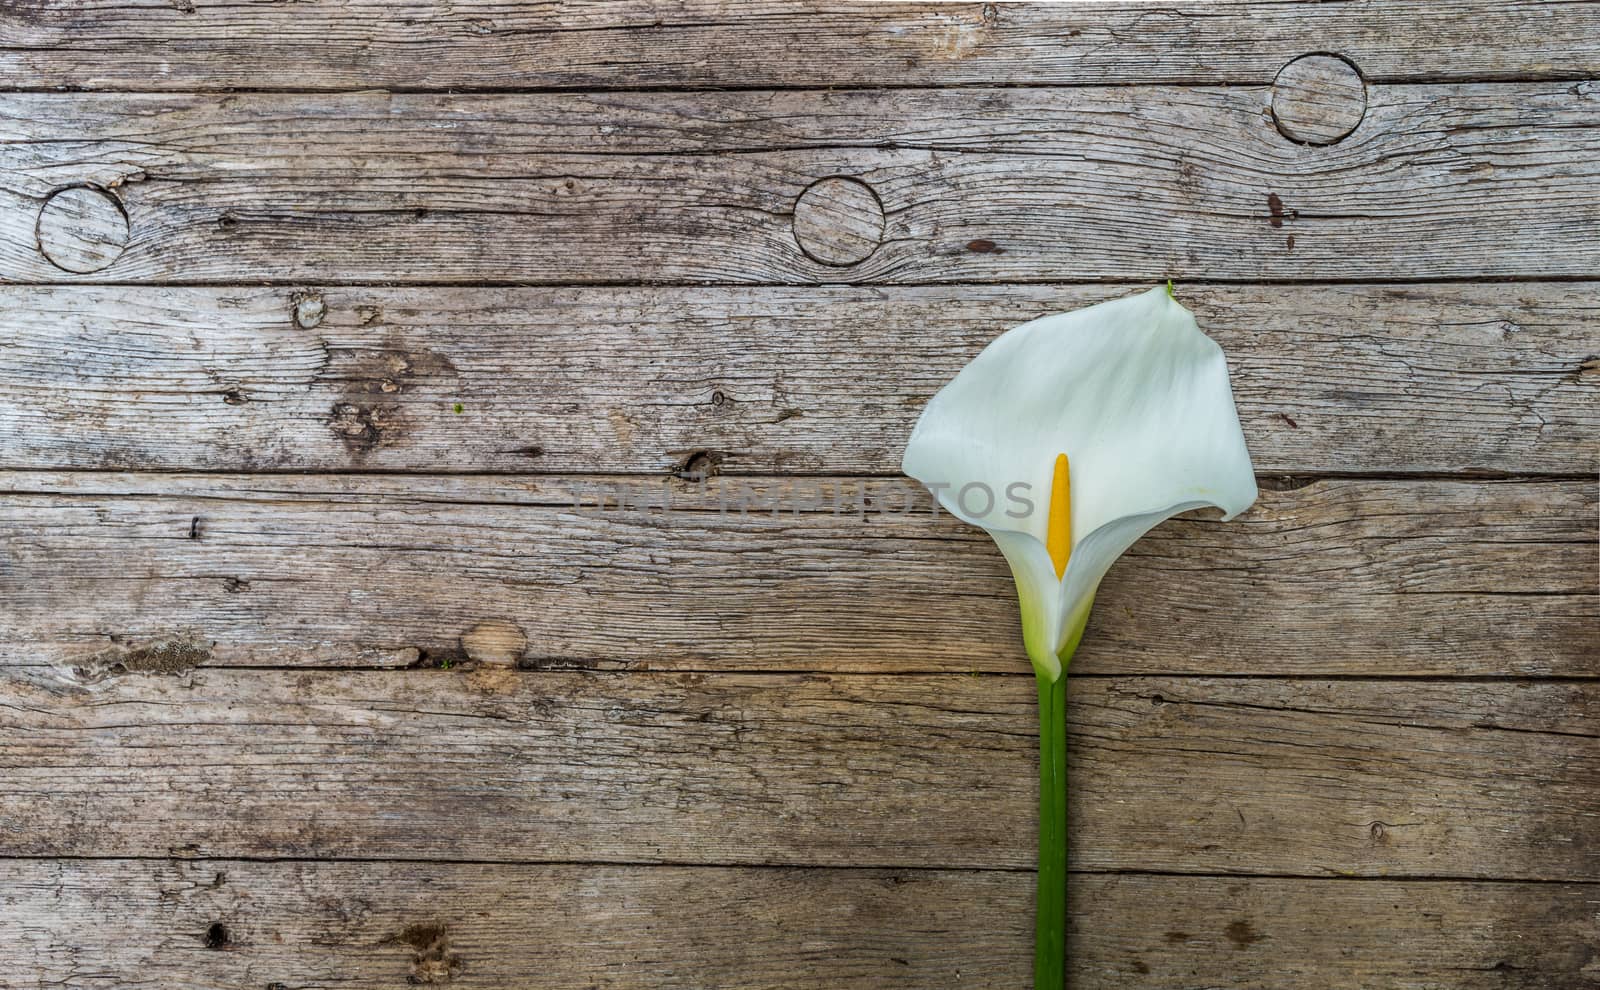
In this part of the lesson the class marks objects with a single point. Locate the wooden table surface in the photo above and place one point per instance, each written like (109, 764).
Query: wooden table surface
(333, 333)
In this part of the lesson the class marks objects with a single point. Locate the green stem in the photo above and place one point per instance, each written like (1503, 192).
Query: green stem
(1050, 930)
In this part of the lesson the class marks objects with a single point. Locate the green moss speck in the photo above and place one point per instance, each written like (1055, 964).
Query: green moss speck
(459, 408)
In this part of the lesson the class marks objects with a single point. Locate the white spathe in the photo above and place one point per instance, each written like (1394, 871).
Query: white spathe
(1135, 396)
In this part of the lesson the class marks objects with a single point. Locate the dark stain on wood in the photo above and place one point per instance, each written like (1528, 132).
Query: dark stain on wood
(362, 427)
(433, 960)
(394, 367)
(1242, 934)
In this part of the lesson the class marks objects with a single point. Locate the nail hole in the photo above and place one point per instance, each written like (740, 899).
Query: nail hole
(216, 935)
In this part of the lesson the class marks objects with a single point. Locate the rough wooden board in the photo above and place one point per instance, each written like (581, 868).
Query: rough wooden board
(98, 44)
(1312, 778)
(580, 927)
(1142, 932)
(1364, 378)
(1352, 577)
(359, 925)
(479, 761)
(978, 185)
(1318, 99)
(81, 229)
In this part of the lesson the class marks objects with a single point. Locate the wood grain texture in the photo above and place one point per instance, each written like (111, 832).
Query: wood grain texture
(1318, 99)
(184, 44)
(978, 185)
(359, 925)
(1372, 378)
(1307, 778)
(1349, 577)
(838, 221)
(81, 229)
(321, 666)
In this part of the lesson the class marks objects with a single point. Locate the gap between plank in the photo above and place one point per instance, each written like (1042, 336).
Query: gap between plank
(794, 867)
(1165, 82)
(537, 667)
(1048, 283)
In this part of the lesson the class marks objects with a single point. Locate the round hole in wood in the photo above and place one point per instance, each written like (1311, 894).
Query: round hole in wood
(216, 936)
(838, 221)
(1318, 99)
(82, 229)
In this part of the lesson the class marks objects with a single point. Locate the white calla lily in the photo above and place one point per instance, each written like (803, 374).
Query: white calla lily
(1135, 397)
(1115, 417)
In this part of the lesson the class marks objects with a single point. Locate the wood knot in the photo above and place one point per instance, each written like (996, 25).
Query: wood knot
(838, 221)
(82, 229)
(1318, 99)
(174, 656)
(308, 312)
(699, 465)
(498, 641)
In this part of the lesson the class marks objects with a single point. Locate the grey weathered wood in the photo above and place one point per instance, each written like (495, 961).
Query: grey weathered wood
(381, 925)
(838, 221)
(985, 185)
(1318, 99)
(1312, 778)
(1140, 932)
(788, 689)
(378, 925)
(81, 229)
(1448, 378)
(99, 44)
(1351, 577)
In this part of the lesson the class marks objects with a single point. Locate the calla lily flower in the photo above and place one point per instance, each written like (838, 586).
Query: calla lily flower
(1067, 439)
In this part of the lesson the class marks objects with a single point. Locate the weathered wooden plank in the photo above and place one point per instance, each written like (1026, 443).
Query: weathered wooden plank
(363, 925)
(1352, 577)
(1313, 778)
(1363, 378)
(990, 185)
(383, 925)
(98, 44)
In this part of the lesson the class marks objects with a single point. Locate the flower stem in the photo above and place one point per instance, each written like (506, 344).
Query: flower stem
(1050, 931)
